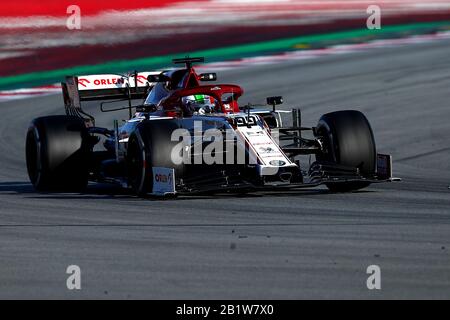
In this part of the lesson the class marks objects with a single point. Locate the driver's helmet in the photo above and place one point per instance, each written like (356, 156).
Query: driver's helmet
(200, 103)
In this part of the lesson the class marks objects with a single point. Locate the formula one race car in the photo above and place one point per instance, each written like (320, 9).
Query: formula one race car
(186, 137)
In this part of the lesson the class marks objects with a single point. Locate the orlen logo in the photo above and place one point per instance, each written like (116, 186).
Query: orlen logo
(101, 82)
(111, 81)
(141, 79)
(163, 178)
(83, 82)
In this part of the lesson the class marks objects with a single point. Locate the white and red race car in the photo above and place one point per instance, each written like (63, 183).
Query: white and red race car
(186, 137)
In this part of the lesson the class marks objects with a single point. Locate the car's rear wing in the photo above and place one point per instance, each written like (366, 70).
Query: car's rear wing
(77, 89)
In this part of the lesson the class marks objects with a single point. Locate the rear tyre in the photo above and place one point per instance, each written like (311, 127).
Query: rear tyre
(349, 142)
(58, 153)
(150, 146)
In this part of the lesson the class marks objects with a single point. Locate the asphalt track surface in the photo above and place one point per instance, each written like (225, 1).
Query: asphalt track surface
(299, 244)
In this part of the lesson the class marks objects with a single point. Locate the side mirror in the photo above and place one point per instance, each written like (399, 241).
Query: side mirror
(157, 78)
(273, 101)
(207, 77)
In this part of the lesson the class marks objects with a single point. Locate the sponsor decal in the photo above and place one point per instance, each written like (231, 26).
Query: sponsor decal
(83, 82)
(163, 181)
(267, 150)
(141, 79)
(278, 163)
(164, 178)
(102, 82)
(112, 81)
(255, 133)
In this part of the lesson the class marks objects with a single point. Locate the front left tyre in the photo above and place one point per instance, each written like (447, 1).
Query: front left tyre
(58, 153)
(350, 142)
